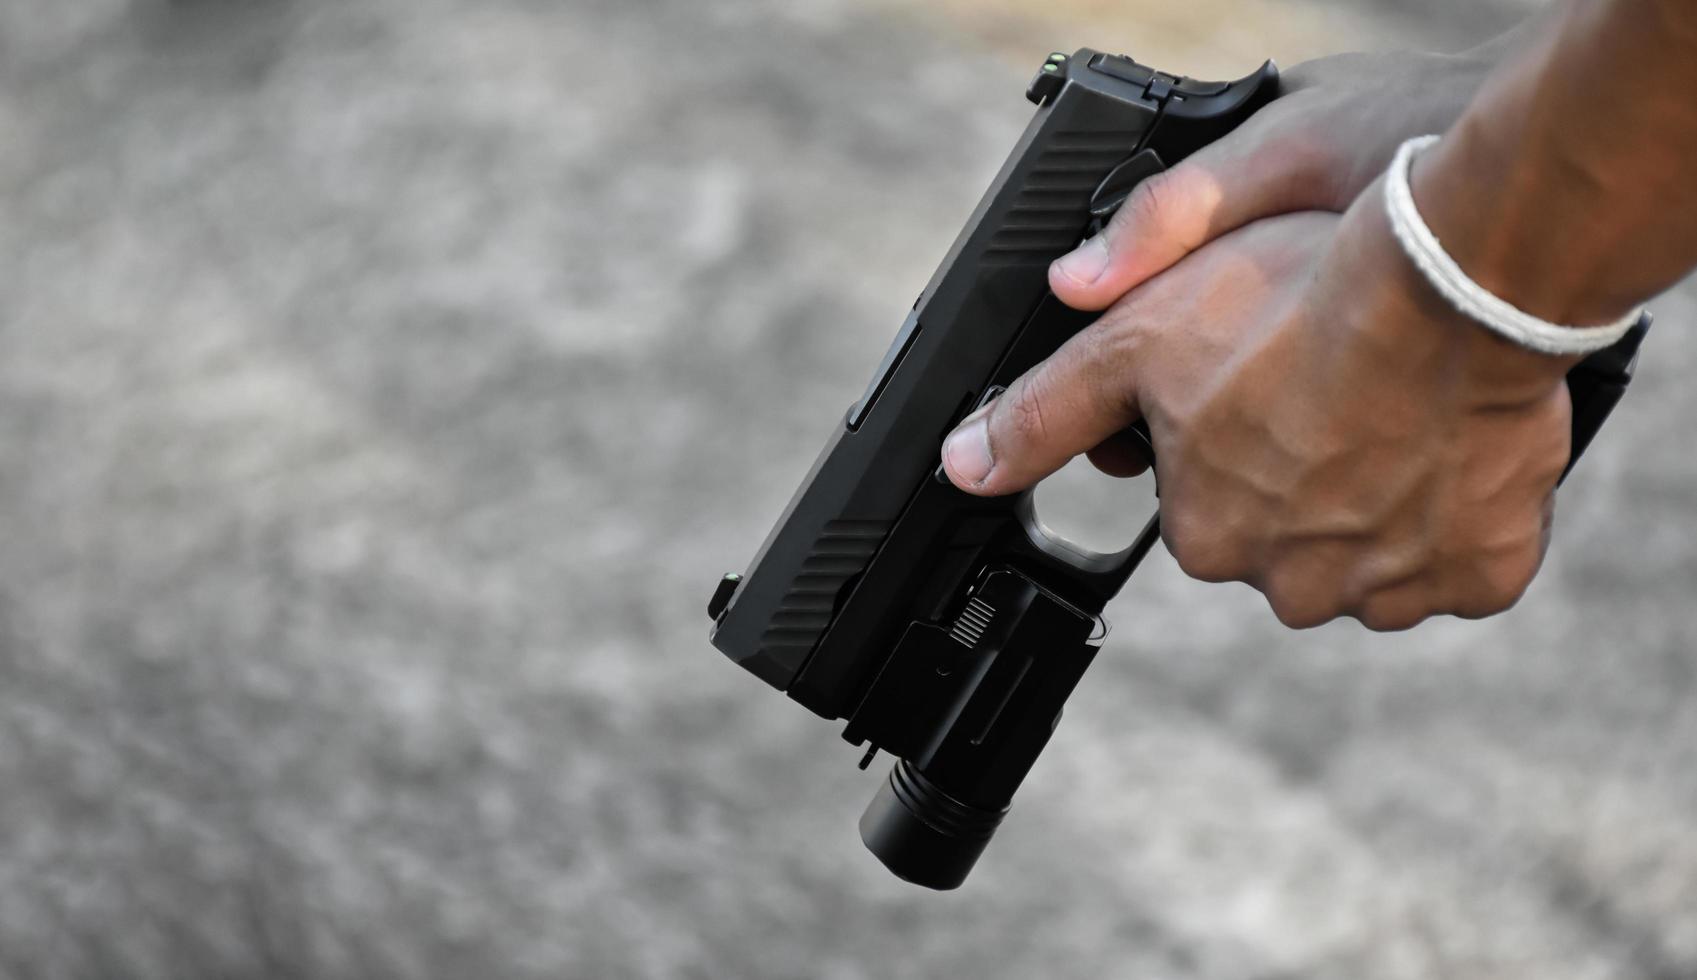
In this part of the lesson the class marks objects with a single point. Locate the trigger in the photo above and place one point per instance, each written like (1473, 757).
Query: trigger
(1118, 184)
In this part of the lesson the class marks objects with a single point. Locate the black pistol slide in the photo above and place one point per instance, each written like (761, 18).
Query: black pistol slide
(946, 629)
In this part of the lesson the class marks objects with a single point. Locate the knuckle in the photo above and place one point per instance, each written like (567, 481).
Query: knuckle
(1198, 562)
(1151, 202)
(1025, 411)
(1298, 604)
(1114, 346)
(1504, 580)
(1201, 553)
(1476, 605)
(1392, 613)
(1496, 575)
(1106, 355)
(1297, 615)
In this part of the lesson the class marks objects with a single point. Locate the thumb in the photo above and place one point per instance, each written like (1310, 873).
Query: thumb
(1064, 406)
(1221, 187)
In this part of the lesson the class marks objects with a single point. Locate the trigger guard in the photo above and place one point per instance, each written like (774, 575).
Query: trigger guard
(1113, 565)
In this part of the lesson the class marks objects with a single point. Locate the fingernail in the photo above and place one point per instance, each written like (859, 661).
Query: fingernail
(967, 450)
(1086, 263)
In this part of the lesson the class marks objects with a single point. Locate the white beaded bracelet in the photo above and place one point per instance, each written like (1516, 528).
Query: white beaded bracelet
(1468, 296)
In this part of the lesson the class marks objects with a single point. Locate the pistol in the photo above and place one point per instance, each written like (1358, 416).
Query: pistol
(948, 629)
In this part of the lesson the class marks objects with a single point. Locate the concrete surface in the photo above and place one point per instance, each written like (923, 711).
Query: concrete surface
(383, 386)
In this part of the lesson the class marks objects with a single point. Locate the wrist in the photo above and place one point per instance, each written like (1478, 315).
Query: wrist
(1564, 188)
(1512, 228)
(1416, 333)
(1441, 271)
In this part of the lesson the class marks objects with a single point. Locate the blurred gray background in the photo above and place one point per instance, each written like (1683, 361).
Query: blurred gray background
(384, 384)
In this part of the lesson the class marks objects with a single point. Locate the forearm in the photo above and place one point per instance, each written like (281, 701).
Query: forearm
(1567, 186)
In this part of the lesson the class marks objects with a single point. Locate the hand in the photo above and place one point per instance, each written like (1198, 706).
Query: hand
(1328, 430)
(1330, 133)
